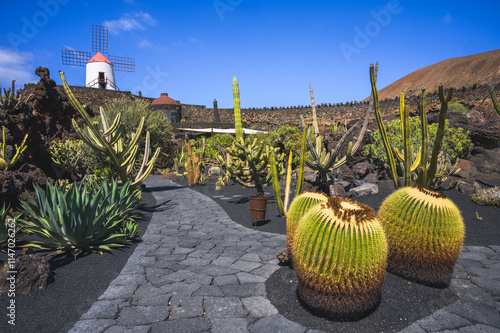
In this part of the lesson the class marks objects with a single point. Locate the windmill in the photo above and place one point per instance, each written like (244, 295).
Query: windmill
(101, 66)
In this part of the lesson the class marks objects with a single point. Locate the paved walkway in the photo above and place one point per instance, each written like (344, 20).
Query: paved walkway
(198, 271)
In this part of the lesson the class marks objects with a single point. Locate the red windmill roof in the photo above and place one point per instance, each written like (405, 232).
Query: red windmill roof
(98, 57)
(163, 99)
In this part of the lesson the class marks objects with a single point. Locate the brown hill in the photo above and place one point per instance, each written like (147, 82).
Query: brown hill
(481, 68)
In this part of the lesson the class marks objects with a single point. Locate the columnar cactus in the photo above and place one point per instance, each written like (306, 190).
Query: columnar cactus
(429, 172)
(283, 207)
(301, 204)
(110, 141)
(10, 98)
(194, 162)
(331, 160)
(425, 232)
(340, 258)
(238, 128)
(4, 165)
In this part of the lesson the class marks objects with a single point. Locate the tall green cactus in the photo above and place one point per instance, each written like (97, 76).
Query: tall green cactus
(425, 232)
(238, 128)
(4, 165)
(283, 207)
(248, 161)
(428, 172)
(494, 99)
(331, 159)
(110, 141)
(340, 258)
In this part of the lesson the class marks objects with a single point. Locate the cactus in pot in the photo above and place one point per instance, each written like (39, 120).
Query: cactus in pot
(425, 229)
(340, 258)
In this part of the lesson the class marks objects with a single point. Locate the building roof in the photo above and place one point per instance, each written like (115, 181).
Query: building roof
(164, 99)
(98, 57)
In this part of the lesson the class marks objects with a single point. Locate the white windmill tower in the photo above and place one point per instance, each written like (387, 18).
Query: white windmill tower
(100, 73)
(99, 68)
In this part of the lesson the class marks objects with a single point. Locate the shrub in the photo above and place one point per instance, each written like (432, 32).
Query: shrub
(78, 158)
(456, 143)
(155, 122)
(458, 107)
(76, 220)
(487, 197)
(287, 138)
(216, 144)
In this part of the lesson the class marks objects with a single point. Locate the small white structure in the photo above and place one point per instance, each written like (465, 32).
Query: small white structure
(100, 73)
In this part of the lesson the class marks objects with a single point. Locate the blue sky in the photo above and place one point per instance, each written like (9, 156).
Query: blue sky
(192, 49)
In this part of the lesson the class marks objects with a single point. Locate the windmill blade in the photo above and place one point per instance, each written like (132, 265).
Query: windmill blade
(75, 58)
(99, 39)
(122, 63)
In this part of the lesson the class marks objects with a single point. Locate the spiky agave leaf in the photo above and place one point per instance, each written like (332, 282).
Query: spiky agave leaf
(301, 204)
(340, 258)
(72, 221)
(425, 232)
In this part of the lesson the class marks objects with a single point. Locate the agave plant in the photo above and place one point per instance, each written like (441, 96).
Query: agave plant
(8, 227)
(124, 199)
(73, 221)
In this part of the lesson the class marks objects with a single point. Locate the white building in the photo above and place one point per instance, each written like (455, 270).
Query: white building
(99, 73)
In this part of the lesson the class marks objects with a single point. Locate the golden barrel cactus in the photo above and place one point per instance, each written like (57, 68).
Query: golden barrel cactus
(299, 207)
(340, 258)
(425, 232)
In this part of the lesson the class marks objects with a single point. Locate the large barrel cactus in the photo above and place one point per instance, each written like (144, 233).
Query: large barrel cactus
(340, 258)
(425, 232)
(299, 207)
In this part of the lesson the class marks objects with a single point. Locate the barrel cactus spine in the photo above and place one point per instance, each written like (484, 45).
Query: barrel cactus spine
(301, 204)
(340, 258)
(425, 232)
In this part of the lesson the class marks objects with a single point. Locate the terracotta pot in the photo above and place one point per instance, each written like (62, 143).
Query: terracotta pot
(258, 206)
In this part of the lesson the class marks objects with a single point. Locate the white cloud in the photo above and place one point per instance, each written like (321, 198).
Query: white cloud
(145, 44)
(129, 22)
(130, 1)
(446, 19)
(178, 43)
(194, 40)
(16, 66)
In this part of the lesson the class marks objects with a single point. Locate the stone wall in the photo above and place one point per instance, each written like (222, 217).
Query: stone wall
(93, 97)
(272, 117)
(269, 118)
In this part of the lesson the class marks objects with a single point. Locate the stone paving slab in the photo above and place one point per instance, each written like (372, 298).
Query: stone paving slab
(196, 270)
